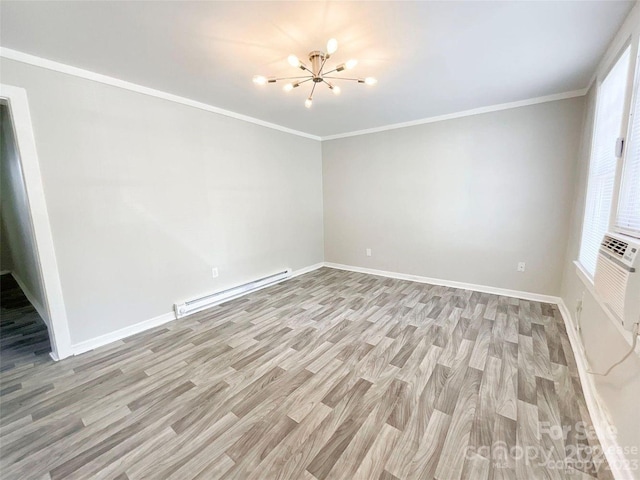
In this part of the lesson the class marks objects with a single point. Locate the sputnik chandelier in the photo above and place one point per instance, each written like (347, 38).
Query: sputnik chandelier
(316, 73)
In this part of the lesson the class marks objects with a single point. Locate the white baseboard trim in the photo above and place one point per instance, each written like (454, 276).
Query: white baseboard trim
(140, 327)
(612, 450)
(310, 268)
(536, 297)
(32, 299)
(125, 332)
(5, 272)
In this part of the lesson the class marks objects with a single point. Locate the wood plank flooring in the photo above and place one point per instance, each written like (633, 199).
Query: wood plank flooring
(330, 375)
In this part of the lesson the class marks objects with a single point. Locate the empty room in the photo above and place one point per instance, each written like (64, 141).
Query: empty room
(320, 240)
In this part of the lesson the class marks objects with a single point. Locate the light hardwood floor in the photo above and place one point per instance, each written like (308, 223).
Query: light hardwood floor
(331, 375)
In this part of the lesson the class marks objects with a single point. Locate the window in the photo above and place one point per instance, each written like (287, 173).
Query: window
(628, 216)
(610, 107)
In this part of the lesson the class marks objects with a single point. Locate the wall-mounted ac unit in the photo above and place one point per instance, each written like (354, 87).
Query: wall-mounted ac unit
(617, 279)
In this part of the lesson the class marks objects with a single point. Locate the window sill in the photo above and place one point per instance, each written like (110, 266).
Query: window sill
(585, 277)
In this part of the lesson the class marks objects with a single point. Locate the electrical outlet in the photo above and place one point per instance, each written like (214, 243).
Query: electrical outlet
(521, 266)
(214, 272)
(368, 252)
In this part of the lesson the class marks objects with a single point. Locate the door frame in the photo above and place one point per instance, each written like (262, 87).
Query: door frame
(54, 305)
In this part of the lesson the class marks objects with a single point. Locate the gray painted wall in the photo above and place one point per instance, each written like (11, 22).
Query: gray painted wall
(603, 343)
(145, 196)
(462, 200)
(17, 243)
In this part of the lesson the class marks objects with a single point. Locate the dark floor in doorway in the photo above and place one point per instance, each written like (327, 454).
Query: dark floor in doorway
(24, 339)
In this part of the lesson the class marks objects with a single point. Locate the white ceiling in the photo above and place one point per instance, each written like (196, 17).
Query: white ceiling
(431, 58)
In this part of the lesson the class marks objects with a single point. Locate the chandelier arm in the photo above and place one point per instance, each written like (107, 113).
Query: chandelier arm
(312, 90)
(346, 78)
(324, 60)
(304, 67)
(330, 71)
(293, 78)
(330, 84)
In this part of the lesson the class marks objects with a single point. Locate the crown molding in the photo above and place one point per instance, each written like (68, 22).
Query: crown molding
(464, 113)
(116, 82)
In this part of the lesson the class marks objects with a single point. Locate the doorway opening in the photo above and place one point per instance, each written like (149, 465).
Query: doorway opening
(23, 319)
(33, 317)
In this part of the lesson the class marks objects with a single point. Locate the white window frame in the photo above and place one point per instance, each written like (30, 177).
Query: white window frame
(633, 89)
(632, 45)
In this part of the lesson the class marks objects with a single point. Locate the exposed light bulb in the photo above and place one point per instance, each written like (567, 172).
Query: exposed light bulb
(370, 81)
(259, 80)
(351, 63)
(336, 90)
(332, 46)
(308, 102)
(288, 87)
(293, 61)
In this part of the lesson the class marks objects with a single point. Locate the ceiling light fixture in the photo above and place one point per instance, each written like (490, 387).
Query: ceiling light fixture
(316, 73)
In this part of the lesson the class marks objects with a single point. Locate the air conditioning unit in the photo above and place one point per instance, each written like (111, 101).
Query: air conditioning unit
(617, 279)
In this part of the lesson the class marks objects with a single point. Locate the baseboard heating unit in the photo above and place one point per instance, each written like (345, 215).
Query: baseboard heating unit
(202, 303)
